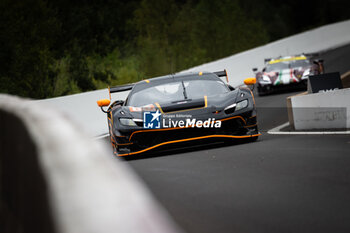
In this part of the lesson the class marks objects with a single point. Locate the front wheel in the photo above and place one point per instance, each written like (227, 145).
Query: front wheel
(262, 91)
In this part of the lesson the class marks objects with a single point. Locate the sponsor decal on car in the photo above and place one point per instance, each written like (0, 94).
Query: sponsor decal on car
(151, 120)
(155, 120)
(273, 61)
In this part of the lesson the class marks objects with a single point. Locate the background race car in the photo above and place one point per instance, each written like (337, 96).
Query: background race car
(180, 109)
(286, 72)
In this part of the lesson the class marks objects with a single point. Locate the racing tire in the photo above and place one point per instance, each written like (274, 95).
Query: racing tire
(262, 91)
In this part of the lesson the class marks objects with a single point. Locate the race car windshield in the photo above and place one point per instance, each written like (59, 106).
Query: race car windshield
(277, 66)
(299, 63)
(175, 91)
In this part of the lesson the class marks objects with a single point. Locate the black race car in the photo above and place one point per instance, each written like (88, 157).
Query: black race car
(177, 109)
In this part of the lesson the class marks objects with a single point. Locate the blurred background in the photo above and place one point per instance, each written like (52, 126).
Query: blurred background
(61, 47)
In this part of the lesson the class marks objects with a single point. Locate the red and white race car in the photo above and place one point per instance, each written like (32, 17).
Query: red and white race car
(286, 72)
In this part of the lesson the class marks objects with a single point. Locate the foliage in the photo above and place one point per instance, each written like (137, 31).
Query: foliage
(28, 32)
(53, 48)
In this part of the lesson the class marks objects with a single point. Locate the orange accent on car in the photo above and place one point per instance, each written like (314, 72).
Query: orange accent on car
(249, 81)
(159, 107)
(247, 126)
(124, 144)
(103, 102)
(229, 118)
(189, 139)
(149, 107)
(135, 109)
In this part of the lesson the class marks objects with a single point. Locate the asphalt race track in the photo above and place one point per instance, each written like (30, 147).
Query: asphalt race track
(281, 183)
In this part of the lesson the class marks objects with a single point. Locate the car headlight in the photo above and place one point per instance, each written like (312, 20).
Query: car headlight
(242, 104)
(266, 78)
(306, 73)
(230, 106)
(230, 109)
(236, 106)
(127, 122)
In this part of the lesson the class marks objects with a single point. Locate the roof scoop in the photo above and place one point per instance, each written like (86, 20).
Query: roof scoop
(184, 105)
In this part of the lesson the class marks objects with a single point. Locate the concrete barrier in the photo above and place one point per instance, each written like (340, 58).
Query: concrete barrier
(54, 178)
(324, 110)
(345, 78)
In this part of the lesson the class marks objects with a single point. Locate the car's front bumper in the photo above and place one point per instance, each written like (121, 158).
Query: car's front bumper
(143, 140)
(269, 88)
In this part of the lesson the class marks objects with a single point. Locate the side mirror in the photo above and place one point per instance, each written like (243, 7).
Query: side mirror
(319, 63)
(255, 70)
(249, 81)
(103, 102)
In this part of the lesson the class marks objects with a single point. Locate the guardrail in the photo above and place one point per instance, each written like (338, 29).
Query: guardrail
(53, 178)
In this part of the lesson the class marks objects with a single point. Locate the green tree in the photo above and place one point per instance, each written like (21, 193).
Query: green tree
(173, 36)
(58, 47)
(28, 32)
